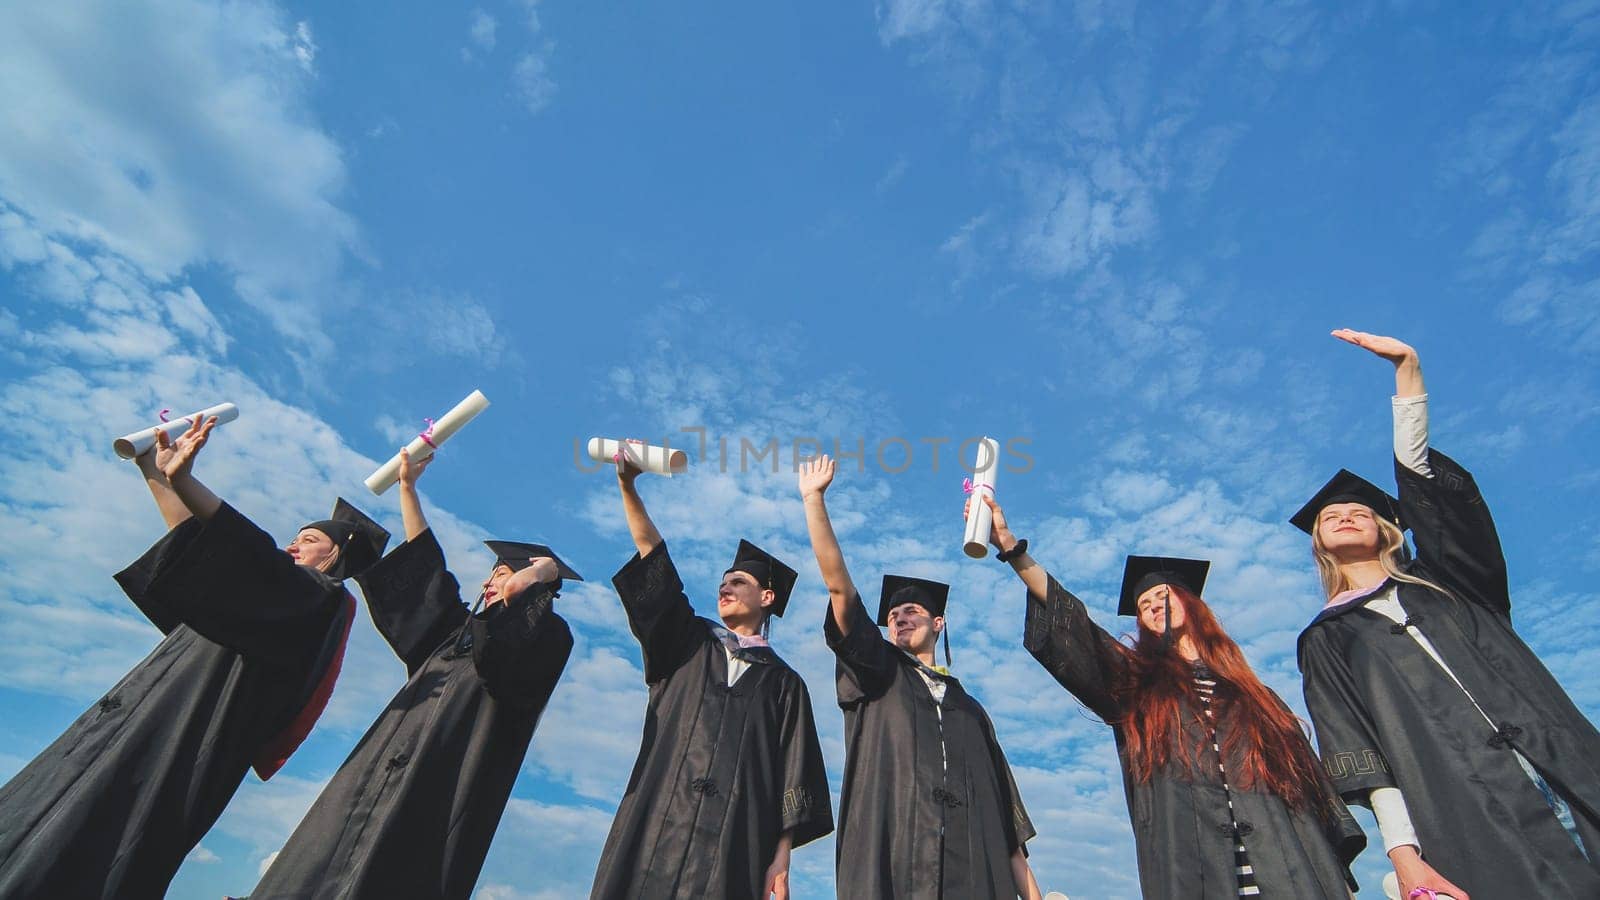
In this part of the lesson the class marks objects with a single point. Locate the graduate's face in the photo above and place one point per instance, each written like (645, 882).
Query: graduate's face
(313, 548)
(740, 599)
(1347, 528)
(913, 628)
(1153, 609)
(494, 587)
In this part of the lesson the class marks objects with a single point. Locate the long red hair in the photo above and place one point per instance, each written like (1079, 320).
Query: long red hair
(1265, 749)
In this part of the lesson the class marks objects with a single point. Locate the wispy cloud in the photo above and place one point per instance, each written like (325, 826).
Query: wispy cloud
(531, 82)
(101, 161)
(481, 30)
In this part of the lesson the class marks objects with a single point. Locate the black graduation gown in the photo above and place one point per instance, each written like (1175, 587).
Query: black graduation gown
(917, 820)
(1386, 715)
(1182, 828)
(722, 771)
(115, 804)
(414, 807)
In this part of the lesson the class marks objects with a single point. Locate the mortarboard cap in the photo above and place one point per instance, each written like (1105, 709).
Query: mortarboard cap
(1347, 487)
(899, 589)
(1141, 573)
(360, 540)
(517, 556)
(768, 571)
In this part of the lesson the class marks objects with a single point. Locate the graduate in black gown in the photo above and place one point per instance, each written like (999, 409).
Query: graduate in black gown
(929, 809)
(413, 809)
(254, 637)
(729, 778)
(1482, 773)
(1226, 795)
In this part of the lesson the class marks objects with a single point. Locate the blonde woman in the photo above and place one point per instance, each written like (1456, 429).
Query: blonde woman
(1482, 773)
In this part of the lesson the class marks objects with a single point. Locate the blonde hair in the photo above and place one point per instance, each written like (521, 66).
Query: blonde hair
(1391, 555)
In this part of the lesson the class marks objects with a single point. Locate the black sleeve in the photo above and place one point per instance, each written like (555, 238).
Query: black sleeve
(807, 807)
(659, 612)
(232, 584)
(1455, 535)
(1346, 737)
(520, 648)
(1020, 827)
(866, 661)
(1079, 654)
(414, 601)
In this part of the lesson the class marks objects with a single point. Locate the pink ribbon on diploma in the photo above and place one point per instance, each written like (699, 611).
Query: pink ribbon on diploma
(967, 487)
(617, 456)
(427, 434)
(163, 414)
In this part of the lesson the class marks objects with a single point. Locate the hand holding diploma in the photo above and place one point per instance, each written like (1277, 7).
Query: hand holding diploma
(975, 541)
(423, 446)
(646, 457)
(130, 446)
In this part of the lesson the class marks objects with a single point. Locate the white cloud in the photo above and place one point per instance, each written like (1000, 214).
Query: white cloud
(531, 83)
(893, 175)
(481, 29)
(202, 855)
(151, 138)
(305, 48)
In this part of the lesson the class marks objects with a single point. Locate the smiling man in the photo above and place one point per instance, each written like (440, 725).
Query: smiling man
(930, 809)
(729, 777)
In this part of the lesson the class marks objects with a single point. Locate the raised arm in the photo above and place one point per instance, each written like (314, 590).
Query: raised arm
(173, 512)
(411, 504)
(175, 459)
(1440, 502)
(815, 476)
(644, 533)
(1031, 573)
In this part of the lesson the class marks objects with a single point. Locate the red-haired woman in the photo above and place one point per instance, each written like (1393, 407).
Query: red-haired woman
(1226, 795)
(1482, 773)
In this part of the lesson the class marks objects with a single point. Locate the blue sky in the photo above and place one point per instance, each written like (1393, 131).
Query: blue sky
(1118, 234)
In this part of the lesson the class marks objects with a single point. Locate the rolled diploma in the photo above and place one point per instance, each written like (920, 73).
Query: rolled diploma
(979, 519)
(443, 428)
(649, 457)
(130, 445)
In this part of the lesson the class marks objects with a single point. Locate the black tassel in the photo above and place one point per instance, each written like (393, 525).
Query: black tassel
(947, 647)
(1166, 634)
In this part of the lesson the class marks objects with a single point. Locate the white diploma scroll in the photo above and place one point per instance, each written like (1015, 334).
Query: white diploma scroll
(440, 431)
(648, 457)
(130, 445)
(979, 518)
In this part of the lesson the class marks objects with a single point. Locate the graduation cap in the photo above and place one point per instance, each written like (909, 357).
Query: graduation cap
(1141, 573)
(1347, 487)
(517, 556)
(768, 571)
(360, 540)
(898, 589)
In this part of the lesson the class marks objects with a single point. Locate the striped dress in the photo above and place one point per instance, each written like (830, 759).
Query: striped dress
(1205, 683)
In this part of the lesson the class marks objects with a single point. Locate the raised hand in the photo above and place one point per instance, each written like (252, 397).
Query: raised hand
(816, 475)
(540, 569)
(1392, 349)
(627, 470)
(1407, 368)
(999, 535)
(411, 471)
(175, 459)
